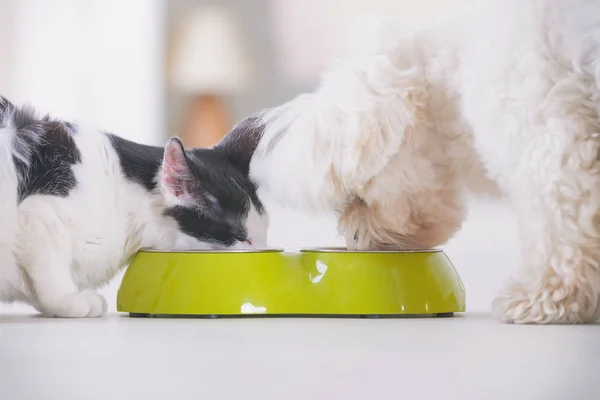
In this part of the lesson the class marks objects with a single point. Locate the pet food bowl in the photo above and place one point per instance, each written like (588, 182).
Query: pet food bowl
(313, 282)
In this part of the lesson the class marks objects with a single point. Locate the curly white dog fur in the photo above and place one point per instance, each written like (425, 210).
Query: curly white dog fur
(503, 98)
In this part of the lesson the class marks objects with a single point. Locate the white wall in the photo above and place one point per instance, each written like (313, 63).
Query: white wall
(311, 33)
(99, 61)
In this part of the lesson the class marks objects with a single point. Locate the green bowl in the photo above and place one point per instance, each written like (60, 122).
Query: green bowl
(313, 282)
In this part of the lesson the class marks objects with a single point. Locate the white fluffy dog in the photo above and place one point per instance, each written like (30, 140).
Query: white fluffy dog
(503, 98)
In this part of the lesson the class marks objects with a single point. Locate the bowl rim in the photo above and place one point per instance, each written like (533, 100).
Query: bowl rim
(344, 250)
(214, 251)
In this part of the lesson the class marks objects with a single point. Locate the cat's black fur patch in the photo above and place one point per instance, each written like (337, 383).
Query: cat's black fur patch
(44, 149)
(217, 172)
(140, 163)
(207, 227)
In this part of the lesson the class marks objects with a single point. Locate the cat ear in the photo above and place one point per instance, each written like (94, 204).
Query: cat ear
(239, 144)
(176, 174)
(179, 182)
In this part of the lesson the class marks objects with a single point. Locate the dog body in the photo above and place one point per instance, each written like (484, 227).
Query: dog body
(504, 99)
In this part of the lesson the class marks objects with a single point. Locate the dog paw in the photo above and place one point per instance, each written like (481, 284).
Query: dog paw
(84, 304)
(550, 303)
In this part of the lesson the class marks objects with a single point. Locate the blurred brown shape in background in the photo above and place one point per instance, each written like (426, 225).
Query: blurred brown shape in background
(209, 65)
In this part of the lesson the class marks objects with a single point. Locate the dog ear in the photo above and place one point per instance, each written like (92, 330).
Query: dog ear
(239, 144)
(369, 111)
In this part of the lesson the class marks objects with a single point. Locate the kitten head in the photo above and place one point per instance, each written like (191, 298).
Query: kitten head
(212, 199)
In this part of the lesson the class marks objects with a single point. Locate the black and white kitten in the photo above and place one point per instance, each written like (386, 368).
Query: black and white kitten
(76, 204)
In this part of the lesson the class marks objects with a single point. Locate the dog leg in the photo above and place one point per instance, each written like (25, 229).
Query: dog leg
(557, 196)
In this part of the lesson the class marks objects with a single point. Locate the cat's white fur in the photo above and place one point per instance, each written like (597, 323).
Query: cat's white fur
(503, 97)
(55, 251)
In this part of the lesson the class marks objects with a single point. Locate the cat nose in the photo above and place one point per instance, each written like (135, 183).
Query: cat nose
(249, 241)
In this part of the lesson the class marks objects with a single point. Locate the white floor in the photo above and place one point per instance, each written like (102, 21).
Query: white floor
(465, 357)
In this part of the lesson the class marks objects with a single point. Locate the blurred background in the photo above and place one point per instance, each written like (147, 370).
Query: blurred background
(150, 69)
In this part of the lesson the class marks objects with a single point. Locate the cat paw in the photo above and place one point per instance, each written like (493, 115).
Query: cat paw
(551, 303)
(84, 304)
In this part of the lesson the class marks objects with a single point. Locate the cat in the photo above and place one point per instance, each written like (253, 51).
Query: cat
(77, 203)
(502, 98)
